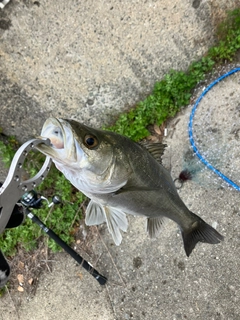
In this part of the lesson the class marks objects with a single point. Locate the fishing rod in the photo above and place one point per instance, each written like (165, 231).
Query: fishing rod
(31, 199)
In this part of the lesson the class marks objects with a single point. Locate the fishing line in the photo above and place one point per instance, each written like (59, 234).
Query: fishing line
(190, 131)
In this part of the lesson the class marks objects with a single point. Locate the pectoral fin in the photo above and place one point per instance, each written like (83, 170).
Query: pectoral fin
(116, 220)
(154, 225)
(94, 214)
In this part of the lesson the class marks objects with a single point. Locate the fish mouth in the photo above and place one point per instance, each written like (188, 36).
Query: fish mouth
(62, 146)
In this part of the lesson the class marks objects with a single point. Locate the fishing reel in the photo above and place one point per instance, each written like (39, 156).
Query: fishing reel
(33, 200)
(30, 199)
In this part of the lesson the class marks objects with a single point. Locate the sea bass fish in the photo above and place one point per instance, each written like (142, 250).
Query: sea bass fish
(121, 177)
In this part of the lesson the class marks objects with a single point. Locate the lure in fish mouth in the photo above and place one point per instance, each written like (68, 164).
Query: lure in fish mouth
(121, 177)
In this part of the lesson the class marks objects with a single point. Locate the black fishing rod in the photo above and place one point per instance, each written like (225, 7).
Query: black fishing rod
(32, 200)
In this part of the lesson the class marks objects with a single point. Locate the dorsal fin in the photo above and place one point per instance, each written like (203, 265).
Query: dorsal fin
(156, 149)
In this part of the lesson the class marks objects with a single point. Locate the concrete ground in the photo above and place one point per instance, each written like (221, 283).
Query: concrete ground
(89, 61)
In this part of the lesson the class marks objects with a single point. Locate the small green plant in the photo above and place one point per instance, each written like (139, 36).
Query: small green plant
(2, 291)
(228, 34)
(8, 149)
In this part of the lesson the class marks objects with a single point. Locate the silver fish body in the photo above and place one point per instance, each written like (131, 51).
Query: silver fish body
(121, 177)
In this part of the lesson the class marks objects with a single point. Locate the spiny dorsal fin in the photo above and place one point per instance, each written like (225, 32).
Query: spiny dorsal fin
(155, 149)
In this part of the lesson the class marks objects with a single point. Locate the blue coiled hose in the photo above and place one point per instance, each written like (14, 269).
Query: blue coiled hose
(190, 131)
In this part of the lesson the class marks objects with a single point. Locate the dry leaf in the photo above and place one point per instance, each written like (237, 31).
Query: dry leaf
(20, 265)
(153, 139)
(20, 289)
(80, 275)
(157, 129)
(20, 278)
(30, 281)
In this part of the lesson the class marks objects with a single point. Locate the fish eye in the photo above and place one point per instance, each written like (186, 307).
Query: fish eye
(90, 141)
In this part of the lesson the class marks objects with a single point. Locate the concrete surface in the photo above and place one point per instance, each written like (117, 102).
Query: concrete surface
(89, 60)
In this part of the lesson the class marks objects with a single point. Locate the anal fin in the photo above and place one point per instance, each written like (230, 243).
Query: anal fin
(154, 226)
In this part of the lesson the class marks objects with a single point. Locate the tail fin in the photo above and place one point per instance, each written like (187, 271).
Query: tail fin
(200, 232)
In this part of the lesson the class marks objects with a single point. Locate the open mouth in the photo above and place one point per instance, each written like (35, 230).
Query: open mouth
(53, 130)
(56, 138)
(60, 134)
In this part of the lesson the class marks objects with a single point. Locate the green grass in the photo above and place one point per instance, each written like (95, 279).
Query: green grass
(169, 95)
(228, 34)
